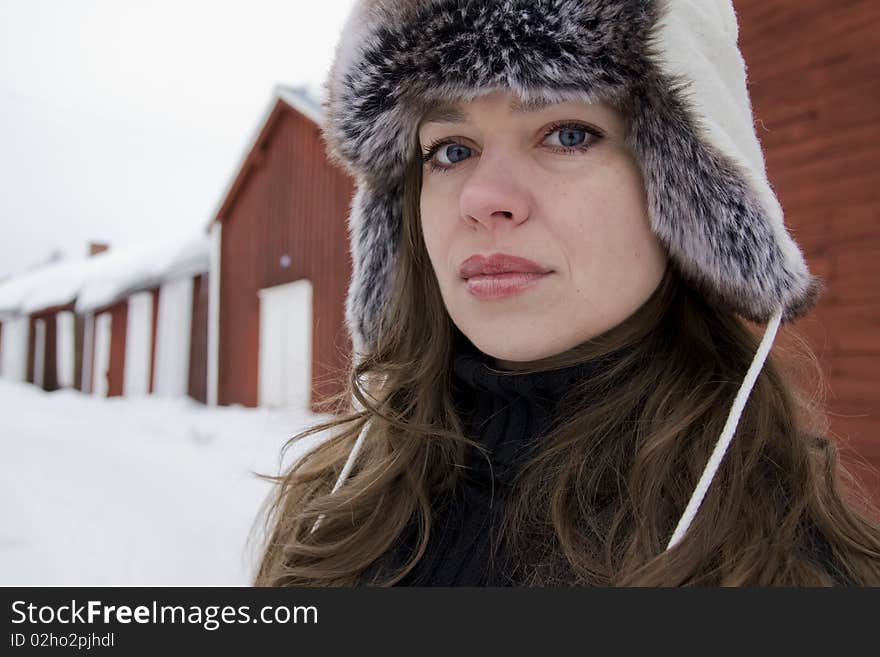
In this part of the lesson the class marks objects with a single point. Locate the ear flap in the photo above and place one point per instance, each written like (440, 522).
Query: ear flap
(374, 224)
(727, 238)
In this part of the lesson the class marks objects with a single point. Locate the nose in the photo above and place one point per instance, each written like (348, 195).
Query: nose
(492, 195)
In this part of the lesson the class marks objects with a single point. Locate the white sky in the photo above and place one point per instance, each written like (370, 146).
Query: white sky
(124, 119)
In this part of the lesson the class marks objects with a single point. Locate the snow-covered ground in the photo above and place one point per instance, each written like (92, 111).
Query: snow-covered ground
(144, 491)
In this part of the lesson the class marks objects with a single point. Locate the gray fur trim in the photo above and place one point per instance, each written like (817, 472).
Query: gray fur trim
(374, 225)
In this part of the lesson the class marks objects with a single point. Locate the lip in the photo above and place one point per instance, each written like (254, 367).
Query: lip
(499, 263)
(498, 286)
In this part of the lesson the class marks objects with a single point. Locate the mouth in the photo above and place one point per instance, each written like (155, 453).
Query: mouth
(499, 264)
(506, 284)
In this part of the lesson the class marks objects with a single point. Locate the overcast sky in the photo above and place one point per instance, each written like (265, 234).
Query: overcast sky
(125, 119)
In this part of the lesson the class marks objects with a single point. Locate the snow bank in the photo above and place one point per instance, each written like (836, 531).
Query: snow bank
(134, 491)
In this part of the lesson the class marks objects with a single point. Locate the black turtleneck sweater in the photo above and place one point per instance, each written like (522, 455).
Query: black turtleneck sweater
(506, 412)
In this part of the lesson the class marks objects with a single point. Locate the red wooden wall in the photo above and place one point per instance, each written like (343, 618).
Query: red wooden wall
(814, 72)
(50, 362)
(287, 200)
(118, 328)
(78, 349)
(32, 339)
(50, 358)
(154, 328)
(198, 351)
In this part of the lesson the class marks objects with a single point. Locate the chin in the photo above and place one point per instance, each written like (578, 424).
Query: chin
(518, 351)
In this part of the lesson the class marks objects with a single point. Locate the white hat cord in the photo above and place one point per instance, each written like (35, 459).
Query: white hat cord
(736, 410)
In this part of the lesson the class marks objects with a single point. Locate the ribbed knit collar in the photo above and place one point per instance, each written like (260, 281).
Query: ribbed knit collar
(506, 411)
(474, 371)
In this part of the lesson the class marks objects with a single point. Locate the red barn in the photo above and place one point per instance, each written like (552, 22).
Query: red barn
(816, 99)
(54, 347)
(104, 370)
(281, 250)
(145, 311)
(130, 321)
(43, 338)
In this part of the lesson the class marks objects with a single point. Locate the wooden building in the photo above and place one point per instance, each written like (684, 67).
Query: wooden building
(145, 320)
(280, 245)
(815, 87)
(125, 322)
(43, 341)
(54, 357)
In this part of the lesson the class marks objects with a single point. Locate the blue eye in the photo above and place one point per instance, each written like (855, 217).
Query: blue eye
(572, 139)
(455, 153)
(569, 138)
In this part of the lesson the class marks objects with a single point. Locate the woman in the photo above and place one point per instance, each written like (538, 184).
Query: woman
(567, 419)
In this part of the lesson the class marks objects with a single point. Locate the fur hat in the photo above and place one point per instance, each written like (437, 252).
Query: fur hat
(676, 67)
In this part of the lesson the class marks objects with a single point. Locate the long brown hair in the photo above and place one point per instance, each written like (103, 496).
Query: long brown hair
(597, 503)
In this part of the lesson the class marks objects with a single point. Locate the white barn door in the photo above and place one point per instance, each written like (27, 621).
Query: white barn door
(103, 327)
(173, 328)
(285, 373)
(15, 348)
(65, 352)
(138, 344)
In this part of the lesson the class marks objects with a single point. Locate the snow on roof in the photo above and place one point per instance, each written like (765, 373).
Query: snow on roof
(50, 285)
(142, 266)
(104, 278)
(57, 285)
(307, 100)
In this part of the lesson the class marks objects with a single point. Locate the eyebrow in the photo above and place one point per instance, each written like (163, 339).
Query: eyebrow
(447, 113)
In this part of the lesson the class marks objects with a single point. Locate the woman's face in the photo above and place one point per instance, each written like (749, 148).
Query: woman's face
(538, 183)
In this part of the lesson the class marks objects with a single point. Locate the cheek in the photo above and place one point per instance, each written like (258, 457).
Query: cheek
(435, 222)
(633, 260)
(632, 226)
(604, 229)
(431, 224)
(623, 212)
